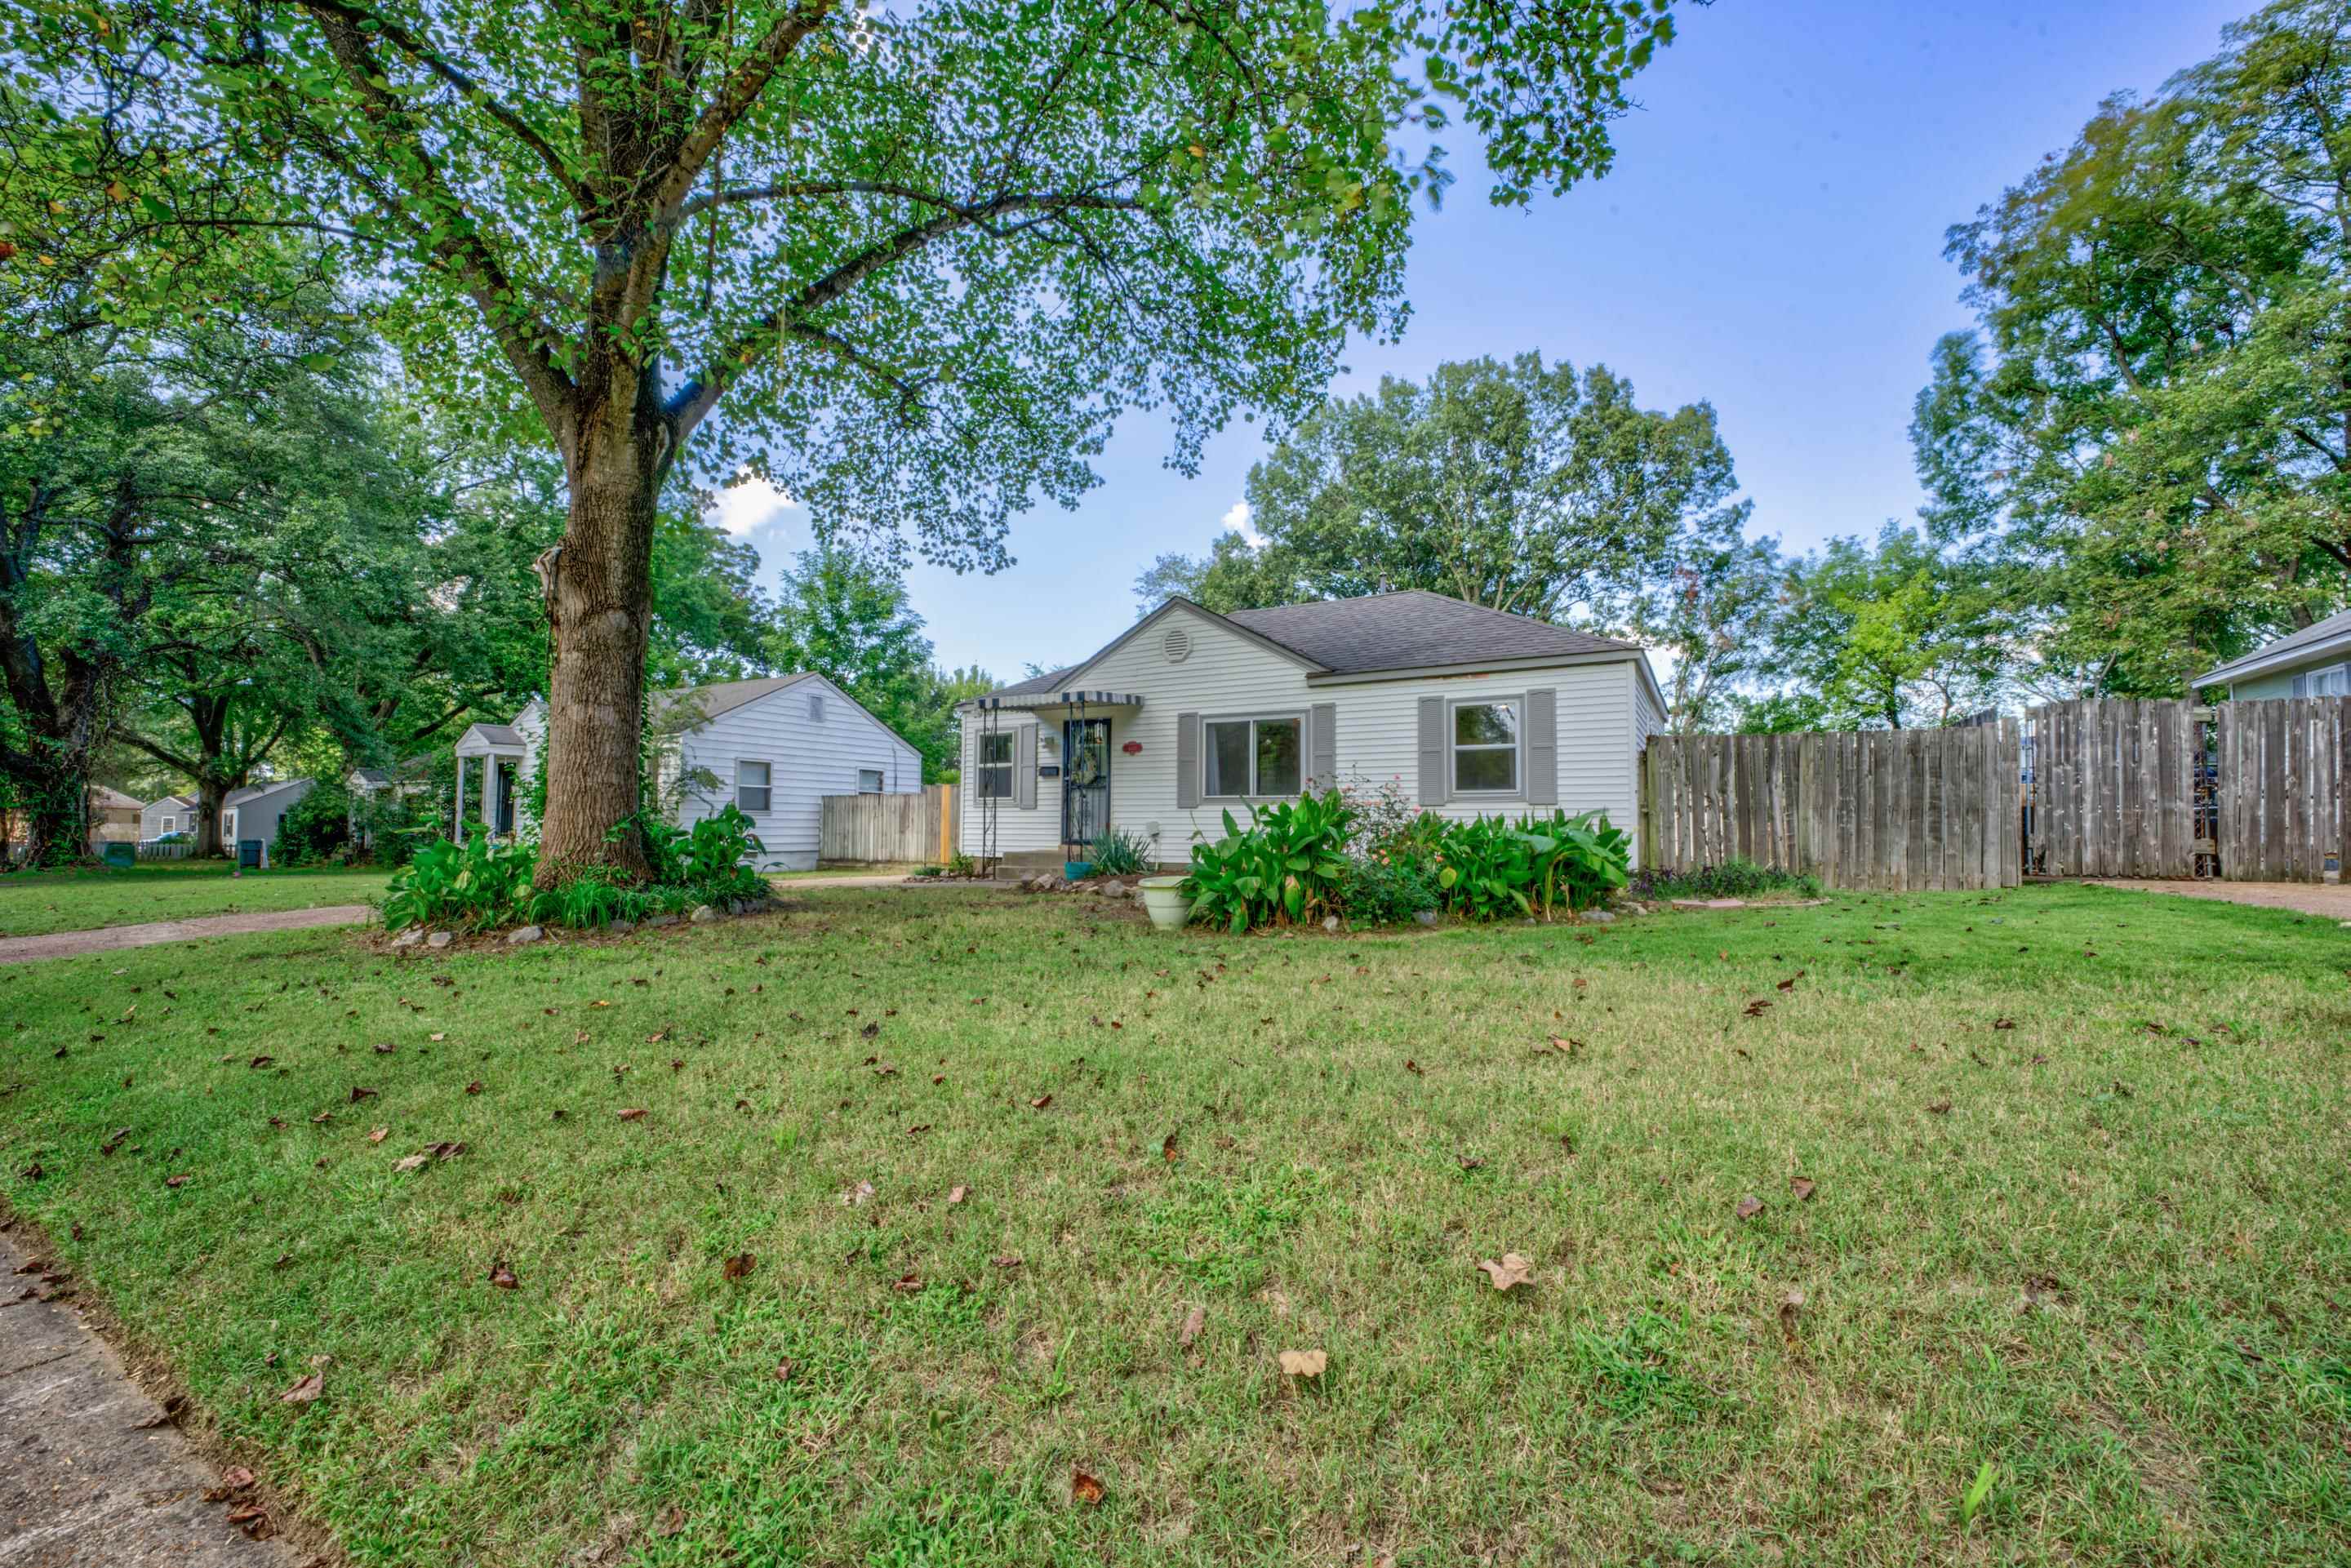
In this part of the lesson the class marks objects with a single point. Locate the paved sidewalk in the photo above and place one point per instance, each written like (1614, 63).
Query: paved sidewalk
(84, 1481)
(107, 939)
(2307, 897)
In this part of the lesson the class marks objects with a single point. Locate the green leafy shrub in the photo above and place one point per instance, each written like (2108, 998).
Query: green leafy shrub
(474, 886)
(962, 864)
(1120, 853)
(1496, 866)
(1735, 878)
(315, 829)
(1379, 890)
(711, 858)
(1285, 869)
(590, 902)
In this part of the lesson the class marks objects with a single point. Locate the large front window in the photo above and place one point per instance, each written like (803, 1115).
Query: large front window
(1485, 748)
(1255, 757)
(996, 767)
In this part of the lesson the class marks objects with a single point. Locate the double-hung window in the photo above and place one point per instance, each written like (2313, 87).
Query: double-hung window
(751, 793)
(170, 825)
(996, 767)
(1263, 757)
(1485, 747)
(869, 781)
(2331, 682)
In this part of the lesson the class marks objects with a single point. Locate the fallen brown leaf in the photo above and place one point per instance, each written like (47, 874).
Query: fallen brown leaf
(957, 1193)
(1086, 1489)
(1791, 1307)
(502, 1276)
(1039, 1102)
(1511, 1271)
(305, 1392)
(377, 1134)
(1749, 1207)
(1303, 1363)
(634, 1114)
(1195, 1321)
(740, 1266)
(1803, 1186)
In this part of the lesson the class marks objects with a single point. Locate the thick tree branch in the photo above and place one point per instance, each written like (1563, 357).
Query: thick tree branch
(737, 93)
(520, 333)
(693, 401)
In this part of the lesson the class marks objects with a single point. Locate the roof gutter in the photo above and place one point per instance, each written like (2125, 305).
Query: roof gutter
(1638, 657)
(2262, 664)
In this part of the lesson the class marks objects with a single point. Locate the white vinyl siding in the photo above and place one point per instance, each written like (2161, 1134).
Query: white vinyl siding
(1227, 674)
(805, 762)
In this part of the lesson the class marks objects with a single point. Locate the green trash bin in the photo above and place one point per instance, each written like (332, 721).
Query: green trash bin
(118, 854)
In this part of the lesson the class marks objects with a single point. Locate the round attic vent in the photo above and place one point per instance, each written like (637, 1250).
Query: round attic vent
(1177, 645)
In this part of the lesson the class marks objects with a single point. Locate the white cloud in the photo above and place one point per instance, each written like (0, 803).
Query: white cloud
(1237, 521)
(751, 503)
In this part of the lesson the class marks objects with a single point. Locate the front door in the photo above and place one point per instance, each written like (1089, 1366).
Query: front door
(505, 799)
(1085, 782)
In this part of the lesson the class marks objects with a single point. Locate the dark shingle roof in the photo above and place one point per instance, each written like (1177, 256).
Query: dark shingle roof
(2312, 641)
(1050, 681)
(725, 696)
(1415, 630)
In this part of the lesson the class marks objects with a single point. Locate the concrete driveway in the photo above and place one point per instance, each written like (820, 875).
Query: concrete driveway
(2304, 897)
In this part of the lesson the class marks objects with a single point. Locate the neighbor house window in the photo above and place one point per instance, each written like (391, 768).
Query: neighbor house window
(1485, 748)
(869, 781)
(1260, 757)
(996, 767)
(170, 824)
(2329, 683)
(816, 707)
(228, 825)
(751, 787)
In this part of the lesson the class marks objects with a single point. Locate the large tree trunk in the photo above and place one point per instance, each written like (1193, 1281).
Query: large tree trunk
(209, 797)
(53, 809)
(599, 595)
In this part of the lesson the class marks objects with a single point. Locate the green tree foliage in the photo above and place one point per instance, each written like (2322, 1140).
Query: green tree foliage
(1520, 486)
(845, 614)
(923, 256)
(1715, 617)
(2151, 430)
(1898, 636)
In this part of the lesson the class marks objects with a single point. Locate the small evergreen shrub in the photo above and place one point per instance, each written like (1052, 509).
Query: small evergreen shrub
(1383, 892)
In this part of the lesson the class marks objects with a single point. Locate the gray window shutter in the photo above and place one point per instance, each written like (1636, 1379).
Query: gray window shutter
(1325, 748)
(1434, 774)
(1187, 760)
(1024, 768)
(1542, 747)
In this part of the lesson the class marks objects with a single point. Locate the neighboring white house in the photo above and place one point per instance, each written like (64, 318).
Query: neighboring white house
(172, 814)
(1189, 714)
(250, 817)
(775, 746)
(403, 780)
(2314, 662)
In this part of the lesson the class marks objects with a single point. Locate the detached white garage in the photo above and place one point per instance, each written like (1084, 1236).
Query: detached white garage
(774, 747)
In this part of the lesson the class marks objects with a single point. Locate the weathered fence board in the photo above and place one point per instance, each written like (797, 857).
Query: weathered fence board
(1903, 810)
(886, 829)
(2282, 773)
(2111, 788)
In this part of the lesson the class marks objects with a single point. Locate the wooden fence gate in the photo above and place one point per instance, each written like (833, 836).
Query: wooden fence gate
(1903, 810)
(888, 829)
(2113, 788)
(2280, 774)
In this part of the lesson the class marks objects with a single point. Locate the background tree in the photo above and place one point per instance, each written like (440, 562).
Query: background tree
(1716, 617)
(2150, 434)
(1899, 636)
(923, 256)
(846, 615)
(1520, 487)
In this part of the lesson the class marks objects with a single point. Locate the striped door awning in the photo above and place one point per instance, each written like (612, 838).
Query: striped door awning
(1032, 700)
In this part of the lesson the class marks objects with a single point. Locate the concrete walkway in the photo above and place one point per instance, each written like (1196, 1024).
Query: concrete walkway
(92, 1473)
(2307, 897)
(107, 939)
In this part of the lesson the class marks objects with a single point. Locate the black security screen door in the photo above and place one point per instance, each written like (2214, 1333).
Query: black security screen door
(1085, 782)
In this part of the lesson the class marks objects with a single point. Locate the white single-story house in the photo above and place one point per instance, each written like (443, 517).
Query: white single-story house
(161, 818)
(250, 817)
(2314, 662)
(113, 816)
(1189, 714)
(403, 780)
(773, 746)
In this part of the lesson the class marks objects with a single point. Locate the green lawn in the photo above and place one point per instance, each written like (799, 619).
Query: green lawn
(2081, 1215)
(35, 904)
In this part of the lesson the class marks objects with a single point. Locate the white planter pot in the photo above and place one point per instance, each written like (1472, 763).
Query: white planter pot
(1169, 905)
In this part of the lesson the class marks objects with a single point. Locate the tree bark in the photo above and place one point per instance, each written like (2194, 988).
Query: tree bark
(598, 599)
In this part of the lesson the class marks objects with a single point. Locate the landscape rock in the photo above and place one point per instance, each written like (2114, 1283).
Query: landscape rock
(661, 920)
(1423, 916)
(410, 937)
(522, 934)
(439, 939)
(1330, 923)
(1114, 889)
(705, 913)
(621, 927)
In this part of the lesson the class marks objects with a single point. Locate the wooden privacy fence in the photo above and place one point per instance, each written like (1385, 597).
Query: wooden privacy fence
(1903, 810)
(882, 828)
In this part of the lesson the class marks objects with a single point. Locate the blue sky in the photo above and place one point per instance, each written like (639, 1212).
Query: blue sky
(1772, 240)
